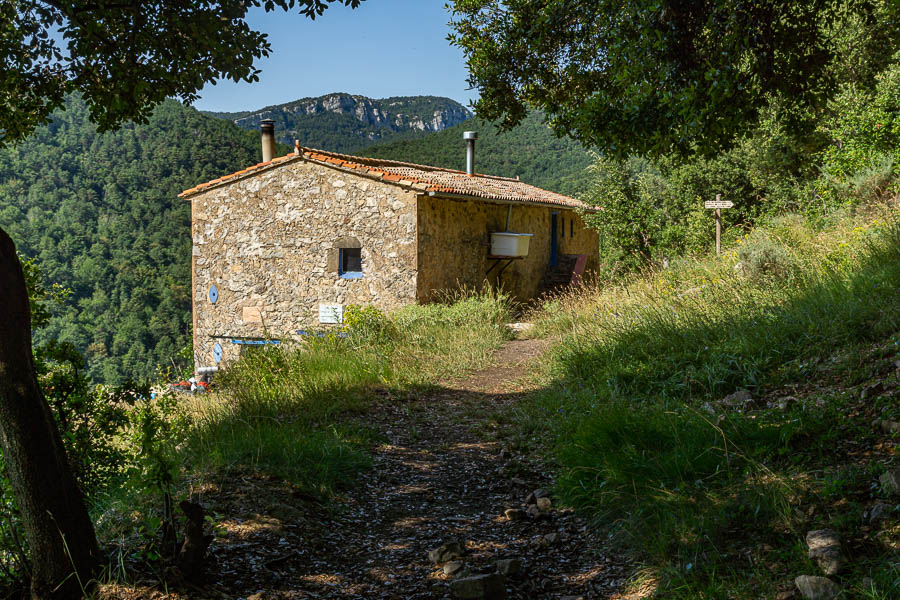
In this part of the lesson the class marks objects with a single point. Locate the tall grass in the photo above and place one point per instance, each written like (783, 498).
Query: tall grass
(628, 403)
(289, 410)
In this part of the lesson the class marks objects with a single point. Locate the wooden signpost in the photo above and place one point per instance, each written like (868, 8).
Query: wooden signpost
(718, 204)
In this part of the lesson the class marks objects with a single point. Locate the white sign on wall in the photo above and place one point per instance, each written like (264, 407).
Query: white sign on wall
(331, 314)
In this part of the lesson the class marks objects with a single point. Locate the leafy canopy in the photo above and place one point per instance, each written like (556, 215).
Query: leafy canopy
(653, 76)
(124, 56)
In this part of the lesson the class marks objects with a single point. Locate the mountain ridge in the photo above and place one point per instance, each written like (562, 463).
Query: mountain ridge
(344, 122)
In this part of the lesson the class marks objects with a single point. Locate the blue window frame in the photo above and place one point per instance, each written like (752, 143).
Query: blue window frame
(350, 263)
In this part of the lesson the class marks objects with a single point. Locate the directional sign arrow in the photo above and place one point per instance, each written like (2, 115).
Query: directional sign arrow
(718, 204)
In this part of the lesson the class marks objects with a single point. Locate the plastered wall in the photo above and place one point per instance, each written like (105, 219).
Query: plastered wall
(454, 243)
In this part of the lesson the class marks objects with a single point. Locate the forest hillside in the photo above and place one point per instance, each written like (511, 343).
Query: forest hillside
(100, 214)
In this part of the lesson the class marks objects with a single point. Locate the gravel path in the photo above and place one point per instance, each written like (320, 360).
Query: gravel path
(438, 478)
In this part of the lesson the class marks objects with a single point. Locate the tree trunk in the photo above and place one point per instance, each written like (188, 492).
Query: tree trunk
(60, 535)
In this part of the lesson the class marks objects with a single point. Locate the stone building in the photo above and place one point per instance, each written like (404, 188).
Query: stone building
(287, 244)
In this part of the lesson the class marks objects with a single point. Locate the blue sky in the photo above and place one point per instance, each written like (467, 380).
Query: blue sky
(383, 48)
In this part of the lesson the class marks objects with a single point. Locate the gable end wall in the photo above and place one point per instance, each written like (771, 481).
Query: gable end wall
(269, 244)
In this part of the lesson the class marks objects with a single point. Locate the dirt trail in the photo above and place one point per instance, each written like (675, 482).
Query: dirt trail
(439, 476)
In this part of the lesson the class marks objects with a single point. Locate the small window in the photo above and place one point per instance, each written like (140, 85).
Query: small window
(350, 261)
(571, 228)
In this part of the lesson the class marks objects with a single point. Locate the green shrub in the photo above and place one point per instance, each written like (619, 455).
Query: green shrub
(369, 323)
(761, 257)
(874, 182)
(863, 131)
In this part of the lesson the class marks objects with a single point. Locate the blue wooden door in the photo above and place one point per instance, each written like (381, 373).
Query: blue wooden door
(554, 240)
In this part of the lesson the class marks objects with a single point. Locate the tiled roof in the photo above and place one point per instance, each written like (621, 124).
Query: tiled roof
(427, 179)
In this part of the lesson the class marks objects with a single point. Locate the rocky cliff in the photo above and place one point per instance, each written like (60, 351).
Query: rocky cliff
(348, 123)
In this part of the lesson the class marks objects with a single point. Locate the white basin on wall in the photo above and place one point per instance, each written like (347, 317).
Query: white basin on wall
(507, 243)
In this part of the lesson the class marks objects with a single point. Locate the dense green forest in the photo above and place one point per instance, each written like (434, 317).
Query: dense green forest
(348, 123)
(101, 215)
(530, 151)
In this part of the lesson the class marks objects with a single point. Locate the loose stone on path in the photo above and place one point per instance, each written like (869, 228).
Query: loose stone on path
(486, 587)
(817, 588)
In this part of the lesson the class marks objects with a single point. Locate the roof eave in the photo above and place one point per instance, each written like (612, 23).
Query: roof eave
(455, 196)
(239, 176)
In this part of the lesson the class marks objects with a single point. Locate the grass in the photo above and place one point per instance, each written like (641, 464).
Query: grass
(798, 309)
(288, 411)
(297, 412)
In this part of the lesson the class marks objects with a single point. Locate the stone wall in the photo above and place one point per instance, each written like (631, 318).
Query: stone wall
(269, 244)
(454, 242)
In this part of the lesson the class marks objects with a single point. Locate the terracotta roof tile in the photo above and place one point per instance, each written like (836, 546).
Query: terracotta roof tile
(434, 179)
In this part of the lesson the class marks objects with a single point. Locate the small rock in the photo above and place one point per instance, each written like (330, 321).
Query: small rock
(284, 512)
(785, 595)
(257, 596)
(453, 567)
(890, 481)
(890, 426)
(880, 512)
(517, 327)
(708, 408)
(538, 493)
(544, 504)
(870, 390)
(551, 539)
(817, 588)
(784, 404)
(738, 399)
(508, 566)
(487, 587)
(533, 512)
(449, 551)
(825, 549)
(505, 453)
(514, 514)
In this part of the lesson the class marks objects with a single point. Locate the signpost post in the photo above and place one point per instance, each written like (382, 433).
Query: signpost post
(718, 204)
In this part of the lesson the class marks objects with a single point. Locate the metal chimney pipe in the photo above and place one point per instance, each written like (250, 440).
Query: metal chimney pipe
(267, 129)
(470, 137)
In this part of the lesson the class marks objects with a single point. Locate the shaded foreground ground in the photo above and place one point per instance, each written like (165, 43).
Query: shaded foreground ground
(437, 477)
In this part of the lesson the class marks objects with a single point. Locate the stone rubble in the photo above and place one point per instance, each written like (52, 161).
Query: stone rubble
(491, 586)
(880, 512)
(817, 588)
(508, 566)
(449, 551)
(453, 567)
(890, 481)
(825, 549)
